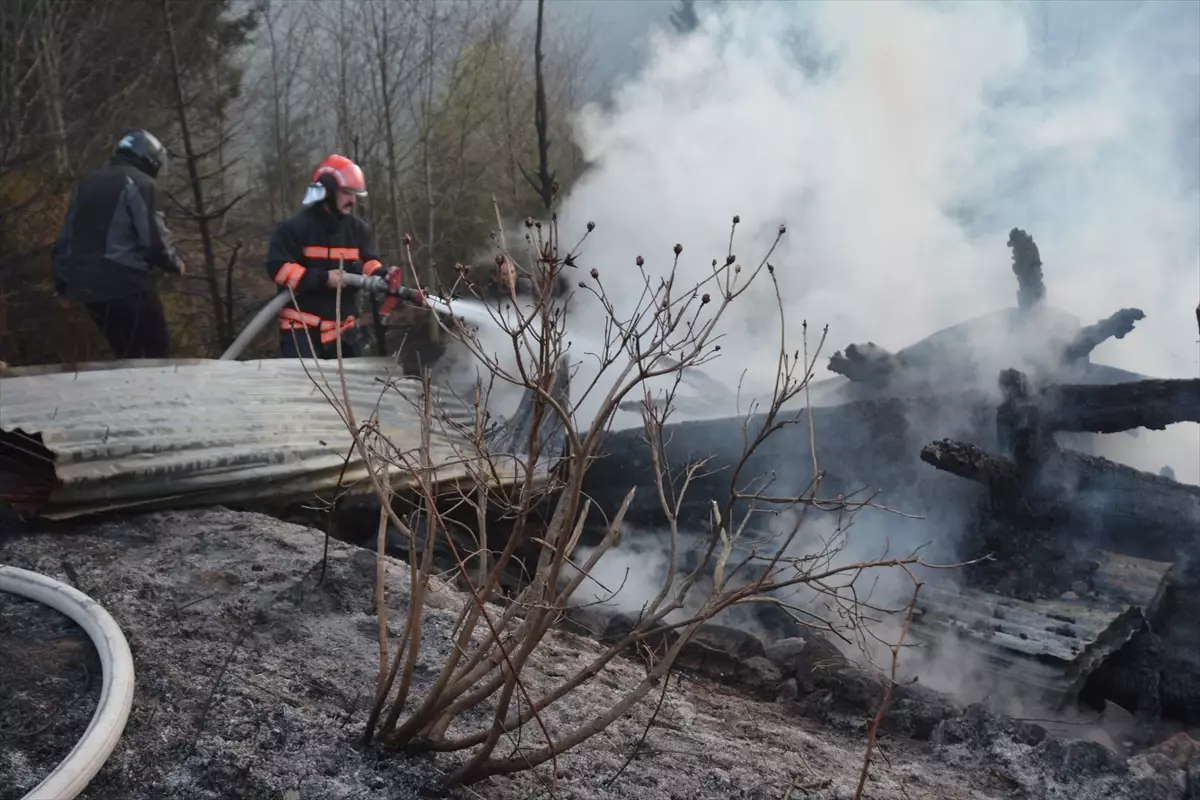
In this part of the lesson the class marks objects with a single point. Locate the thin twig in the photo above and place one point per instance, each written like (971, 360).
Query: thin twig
(877, 720)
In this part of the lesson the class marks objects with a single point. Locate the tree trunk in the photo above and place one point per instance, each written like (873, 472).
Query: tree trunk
(49, 64)
(279, 121)
(201, 214)
(430, 203)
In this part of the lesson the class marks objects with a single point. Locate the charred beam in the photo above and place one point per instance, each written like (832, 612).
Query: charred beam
(1077, 495)
(1152, 404)
(1091, 337)
(1027, 416)
(972, 462)
(865, 363)
(1034, 485)
(1019, 419)
(1027, 266)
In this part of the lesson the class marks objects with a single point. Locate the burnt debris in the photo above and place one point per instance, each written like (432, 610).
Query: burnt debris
(1034, 482)
(1013, 481)
(1027, 266)
(866, 363)
(1116, 326)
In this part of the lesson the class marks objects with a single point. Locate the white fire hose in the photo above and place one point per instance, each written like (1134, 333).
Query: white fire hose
(74, 773)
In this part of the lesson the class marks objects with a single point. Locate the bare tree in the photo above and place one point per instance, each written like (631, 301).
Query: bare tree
(495, 100)
(290, 42)
(395, 61)
(71, 86)
(544, 185)
(647, 350)
(48, 47)
(199, 209)
(343, 61)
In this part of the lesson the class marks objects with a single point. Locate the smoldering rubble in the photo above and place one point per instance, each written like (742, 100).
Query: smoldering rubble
(982, 435)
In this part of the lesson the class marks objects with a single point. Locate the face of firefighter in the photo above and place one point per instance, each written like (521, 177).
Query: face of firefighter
(345, 201)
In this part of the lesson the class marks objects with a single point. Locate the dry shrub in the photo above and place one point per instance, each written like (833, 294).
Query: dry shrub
(647, 352)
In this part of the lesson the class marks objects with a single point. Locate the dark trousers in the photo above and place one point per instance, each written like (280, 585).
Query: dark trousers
(295, 344)
(134, 326)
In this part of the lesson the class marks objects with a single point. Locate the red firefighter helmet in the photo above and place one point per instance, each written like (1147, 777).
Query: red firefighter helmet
(339, 172)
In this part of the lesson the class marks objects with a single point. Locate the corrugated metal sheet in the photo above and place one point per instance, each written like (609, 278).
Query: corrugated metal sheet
(158, 434)
(1048, 647)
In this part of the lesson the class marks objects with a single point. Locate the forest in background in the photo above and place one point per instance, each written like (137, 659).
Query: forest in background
(434, 98)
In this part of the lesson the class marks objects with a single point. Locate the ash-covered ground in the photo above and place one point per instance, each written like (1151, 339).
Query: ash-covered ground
(254, 680)
(50, 679)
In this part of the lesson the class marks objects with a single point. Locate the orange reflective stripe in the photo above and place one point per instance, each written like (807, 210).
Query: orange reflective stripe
(301, 317)
(292, 319)
(329, 324)
(331, 333)
(372, 266)
(289, 275)
(332, 253)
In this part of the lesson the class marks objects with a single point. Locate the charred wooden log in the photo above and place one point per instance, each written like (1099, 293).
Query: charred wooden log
(1107, 504)
(862, 447)
(1088, 339)
(1152, 404)
(999, 474)
(1027, 266)
(1075, 496)
(1111, 408)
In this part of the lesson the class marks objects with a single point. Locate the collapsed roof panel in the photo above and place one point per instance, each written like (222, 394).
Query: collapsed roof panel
(1047, 647)
(159, 434)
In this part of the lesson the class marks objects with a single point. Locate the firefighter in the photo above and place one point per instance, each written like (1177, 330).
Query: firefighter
(111, 239)
(310, 253)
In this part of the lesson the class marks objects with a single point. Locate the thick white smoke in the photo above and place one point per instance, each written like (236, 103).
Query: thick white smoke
(900, 142)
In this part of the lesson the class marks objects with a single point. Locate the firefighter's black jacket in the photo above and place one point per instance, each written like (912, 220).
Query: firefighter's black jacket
(111, 237)
(306, 247)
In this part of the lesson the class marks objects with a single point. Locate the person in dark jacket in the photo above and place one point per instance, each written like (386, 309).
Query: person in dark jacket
(112, 238)
(310, 253)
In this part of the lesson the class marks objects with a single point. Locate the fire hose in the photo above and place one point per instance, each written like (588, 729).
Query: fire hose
(370, 283)
(73, 773)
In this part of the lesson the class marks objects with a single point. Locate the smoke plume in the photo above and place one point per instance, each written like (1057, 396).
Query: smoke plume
(900, 143)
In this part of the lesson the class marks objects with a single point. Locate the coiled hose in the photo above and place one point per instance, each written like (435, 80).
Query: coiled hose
(73, 773)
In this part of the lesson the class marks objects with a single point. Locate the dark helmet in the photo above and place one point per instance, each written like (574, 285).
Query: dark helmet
(142, 149)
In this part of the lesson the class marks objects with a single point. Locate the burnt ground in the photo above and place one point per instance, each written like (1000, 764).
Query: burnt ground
(253, 681)
(49, 683)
